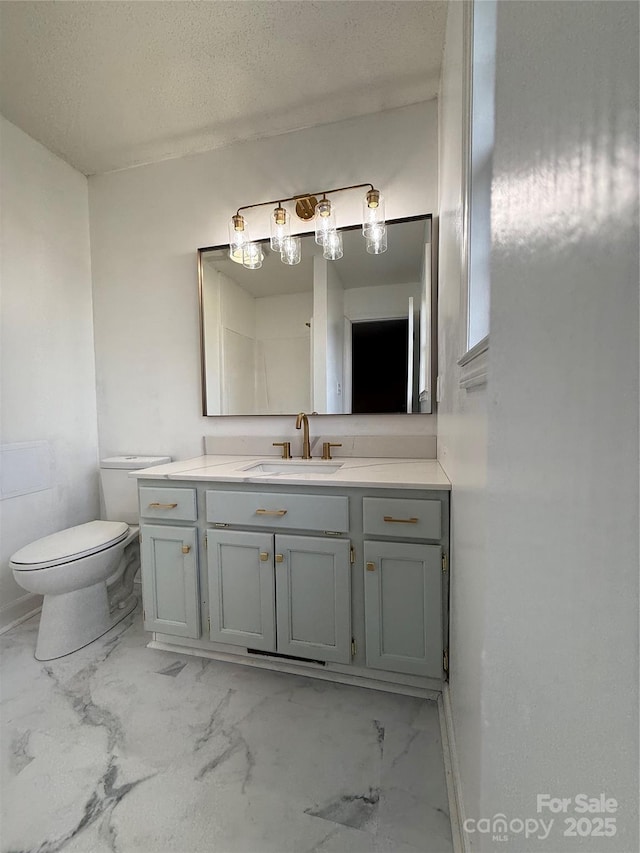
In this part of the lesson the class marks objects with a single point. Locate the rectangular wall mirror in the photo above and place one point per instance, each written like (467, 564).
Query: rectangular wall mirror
(351, 336)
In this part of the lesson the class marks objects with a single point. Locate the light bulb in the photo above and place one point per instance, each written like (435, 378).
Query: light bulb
(333, 246)
(372, 211)
(377, 240)
(252, 256)
(291, 251)
(325, 220)
(238, 238)
(280, 228)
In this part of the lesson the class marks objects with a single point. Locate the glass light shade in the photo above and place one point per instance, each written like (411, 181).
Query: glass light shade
(377, 240)
(325, 220)
(280, 228)
(333, 246)
(252, 256)
(372, 211)
(238, 238)
(291, 251)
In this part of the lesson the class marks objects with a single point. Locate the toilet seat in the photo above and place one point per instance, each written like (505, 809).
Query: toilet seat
(70, 544)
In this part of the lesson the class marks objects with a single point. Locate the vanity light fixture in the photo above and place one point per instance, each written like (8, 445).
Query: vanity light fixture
(325, 221)
(372, 212)
(280, 227)
(238, 237)
(252, 256)
(377, 240)
(333, 246)
(243, 251)
(291, 252)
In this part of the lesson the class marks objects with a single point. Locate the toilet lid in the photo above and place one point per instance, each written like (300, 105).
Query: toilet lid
(70, 544)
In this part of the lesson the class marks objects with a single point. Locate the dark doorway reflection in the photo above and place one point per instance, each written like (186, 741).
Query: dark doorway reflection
(380, 352)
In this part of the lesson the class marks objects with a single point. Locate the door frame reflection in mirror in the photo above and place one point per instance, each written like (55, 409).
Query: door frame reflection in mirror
(425, 338)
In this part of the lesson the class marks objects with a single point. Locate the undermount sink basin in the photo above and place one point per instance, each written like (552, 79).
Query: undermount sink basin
(293, 468)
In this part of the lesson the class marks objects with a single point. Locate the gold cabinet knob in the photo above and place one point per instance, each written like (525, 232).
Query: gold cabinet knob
(186, 549)
(264, 556)
(371, 567)
(279, 558)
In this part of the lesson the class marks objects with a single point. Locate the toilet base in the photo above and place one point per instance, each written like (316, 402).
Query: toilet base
(73, 620)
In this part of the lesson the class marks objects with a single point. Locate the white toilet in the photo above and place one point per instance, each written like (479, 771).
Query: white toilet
(86, 573)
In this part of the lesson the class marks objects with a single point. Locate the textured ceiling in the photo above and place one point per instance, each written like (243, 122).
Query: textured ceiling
(107, 85)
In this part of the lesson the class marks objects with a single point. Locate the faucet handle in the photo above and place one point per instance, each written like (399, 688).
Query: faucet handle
(326, 449)
(286, 448)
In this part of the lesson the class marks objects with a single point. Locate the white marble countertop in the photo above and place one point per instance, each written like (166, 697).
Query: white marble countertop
(352, 471)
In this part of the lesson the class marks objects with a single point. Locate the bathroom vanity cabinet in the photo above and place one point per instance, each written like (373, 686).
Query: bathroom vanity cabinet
(343, 582)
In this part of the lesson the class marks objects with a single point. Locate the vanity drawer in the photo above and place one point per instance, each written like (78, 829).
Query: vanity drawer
(267, 509)
(409, 518)
(171, 504)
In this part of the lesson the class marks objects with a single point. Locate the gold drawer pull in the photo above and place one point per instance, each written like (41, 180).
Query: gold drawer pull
(157, 505)
(279, 558)
(400, 520)
(264, 556)
(186, 549)
(271, 512)
(371, 567)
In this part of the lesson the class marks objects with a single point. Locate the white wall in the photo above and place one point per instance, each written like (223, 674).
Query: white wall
(47, 365)
(211, 315)
(284, 352)
(238, 348)
(383, 302)
(146, 224)
(544, 604)
(462, 434)
(335, 340)
(320, 338)
(560, 656)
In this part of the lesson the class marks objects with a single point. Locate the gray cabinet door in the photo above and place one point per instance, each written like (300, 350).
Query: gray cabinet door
(313, 591)
(169, 557)
(241, 589)
(403, 607)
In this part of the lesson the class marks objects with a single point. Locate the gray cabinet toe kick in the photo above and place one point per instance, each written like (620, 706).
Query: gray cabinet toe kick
(346, 584)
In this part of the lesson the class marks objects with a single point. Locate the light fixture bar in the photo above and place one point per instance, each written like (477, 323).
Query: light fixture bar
(243, 250)
(280, 201)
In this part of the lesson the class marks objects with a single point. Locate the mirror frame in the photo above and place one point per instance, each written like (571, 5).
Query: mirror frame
(433, 341)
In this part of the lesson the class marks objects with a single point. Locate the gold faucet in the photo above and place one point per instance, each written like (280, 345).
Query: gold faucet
(303, 421)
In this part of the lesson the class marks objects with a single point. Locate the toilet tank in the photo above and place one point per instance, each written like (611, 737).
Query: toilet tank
(119, 491)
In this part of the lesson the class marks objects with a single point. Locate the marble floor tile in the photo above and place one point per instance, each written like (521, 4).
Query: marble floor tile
(173, 669)
(413, 805)
(118, 748)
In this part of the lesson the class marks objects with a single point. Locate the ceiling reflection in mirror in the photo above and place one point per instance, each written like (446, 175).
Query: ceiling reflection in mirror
(350, 336)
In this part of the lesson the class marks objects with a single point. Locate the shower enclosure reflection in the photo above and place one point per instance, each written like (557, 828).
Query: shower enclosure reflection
(332, 337)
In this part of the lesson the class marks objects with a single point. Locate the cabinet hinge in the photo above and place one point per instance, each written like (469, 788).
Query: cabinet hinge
(354, 647)
(331, 533)
(352, 552)
(445, 660)
(445, 563)
(209, 623)
(144, 615)
(206, 542)
(220, 524)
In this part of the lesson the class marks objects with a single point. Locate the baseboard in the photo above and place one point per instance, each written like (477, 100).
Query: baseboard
(281, 665)
(19, 611)
(452, 772)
